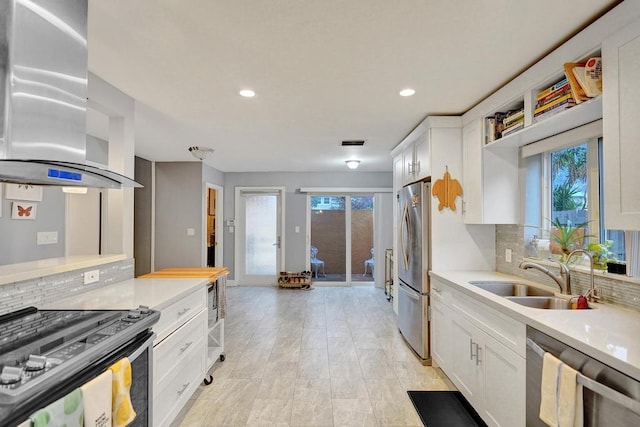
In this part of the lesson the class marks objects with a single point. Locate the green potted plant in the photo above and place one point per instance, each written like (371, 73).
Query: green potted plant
(600, 254)
(567, 237)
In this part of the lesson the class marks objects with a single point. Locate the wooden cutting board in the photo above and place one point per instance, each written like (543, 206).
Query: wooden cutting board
(187, 272)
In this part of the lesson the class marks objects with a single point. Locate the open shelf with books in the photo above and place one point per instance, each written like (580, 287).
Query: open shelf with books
(563, 101)
(567, 119)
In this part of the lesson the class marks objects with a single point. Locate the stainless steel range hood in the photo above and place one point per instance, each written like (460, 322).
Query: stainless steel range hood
(43, 96)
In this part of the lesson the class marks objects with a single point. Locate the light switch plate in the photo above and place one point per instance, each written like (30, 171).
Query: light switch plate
(191, 231)
(91, 276)
(47, 238)
(507, 255)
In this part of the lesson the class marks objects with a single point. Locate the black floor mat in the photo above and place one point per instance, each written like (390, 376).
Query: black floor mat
(445, 409)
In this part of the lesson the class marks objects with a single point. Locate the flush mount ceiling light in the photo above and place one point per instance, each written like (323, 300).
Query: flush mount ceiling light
(200, 153)
(247, 93)
(353, 164)
(407, 92)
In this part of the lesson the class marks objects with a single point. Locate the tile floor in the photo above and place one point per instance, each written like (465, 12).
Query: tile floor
(331, 356)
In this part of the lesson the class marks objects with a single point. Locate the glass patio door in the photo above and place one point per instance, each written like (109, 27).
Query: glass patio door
(260, 237)
(341, 238)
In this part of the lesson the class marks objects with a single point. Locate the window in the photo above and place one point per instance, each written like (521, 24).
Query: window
(570, 177)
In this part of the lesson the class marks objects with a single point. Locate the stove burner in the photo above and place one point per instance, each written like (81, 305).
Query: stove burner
(10, 375)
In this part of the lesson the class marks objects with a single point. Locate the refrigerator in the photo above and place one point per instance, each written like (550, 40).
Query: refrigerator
(413, 266)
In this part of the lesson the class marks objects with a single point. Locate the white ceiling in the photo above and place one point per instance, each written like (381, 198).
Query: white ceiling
(323, 71)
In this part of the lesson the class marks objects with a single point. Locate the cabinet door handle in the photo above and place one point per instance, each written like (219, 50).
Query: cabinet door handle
(471, 344)
(186, 346)
(464, 207)
(180, 313)
(410, 168)
(478, 360)
(184, 387)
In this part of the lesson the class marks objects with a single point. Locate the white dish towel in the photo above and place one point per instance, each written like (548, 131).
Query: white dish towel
(97, 401)
(561, 403)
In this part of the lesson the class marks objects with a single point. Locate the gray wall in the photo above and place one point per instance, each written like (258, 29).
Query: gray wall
(142, 209)
(179, 206)
(295, 204)
(18, 237)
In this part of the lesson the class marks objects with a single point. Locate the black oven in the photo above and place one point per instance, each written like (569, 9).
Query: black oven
(71, 347)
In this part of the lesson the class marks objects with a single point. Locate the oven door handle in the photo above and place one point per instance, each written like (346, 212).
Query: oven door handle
(148, 343)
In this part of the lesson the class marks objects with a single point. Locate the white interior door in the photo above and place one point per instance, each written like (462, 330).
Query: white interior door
(259, 238)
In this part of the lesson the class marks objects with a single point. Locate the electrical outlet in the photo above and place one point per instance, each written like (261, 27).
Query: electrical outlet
(191, 231)
(507, 255)
(91, 276)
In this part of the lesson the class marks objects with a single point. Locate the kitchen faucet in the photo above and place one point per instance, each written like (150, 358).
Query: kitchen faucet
(592, 293)
(563, 280)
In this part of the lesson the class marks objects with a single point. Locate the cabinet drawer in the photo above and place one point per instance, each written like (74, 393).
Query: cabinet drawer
(440, 292)
(172, 350)
(172, 392)
(503, 328)
(179, 312)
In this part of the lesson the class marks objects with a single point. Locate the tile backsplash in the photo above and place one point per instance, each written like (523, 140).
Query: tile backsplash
(45, 290)
(613, 289)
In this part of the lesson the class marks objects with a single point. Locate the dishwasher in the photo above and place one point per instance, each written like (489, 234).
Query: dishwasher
(611, 398)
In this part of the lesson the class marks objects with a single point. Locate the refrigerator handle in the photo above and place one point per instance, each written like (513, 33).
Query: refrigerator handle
(409, 292)
(406, 222)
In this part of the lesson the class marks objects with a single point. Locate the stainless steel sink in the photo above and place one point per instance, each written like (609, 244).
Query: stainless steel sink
(549, 303)
(510, 289)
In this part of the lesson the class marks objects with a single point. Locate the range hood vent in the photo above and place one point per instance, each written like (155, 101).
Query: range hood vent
(43, 96)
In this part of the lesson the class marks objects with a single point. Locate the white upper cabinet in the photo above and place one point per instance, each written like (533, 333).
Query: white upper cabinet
(412, 159)
(490, 179)
(621, 128)
(422, 160)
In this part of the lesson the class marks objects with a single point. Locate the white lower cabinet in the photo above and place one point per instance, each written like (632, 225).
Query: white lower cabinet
(440, 333)
(504, 375)
(179, 356)
(490, 375)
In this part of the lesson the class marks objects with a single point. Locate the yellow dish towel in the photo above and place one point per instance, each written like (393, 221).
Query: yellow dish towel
(67, 411)
(122, 408)
(97, 400)
(560, 394)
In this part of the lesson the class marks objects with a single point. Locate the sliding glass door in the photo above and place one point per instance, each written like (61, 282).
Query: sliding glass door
(341, 238)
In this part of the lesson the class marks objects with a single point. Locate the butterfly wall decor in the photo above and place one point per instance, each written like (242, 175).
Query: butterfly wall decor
(23, 210)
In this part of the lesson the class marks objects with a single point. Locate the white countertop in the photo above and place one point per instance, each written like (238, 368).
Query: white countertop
(154, 293)
(45, 267)
(607, 333)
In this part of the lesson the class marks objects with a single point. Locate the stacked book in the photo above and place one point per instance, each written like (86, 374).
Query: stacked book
(553, 100)
(502, 124)
(513, 121)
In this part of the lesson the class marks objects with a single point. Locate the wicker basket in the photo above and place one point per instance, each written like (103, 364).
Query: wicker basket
(302, 280)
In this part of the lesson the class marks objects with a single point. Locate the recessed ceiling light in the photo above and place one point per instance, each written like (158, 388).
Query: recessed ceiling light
(247, 93)
(407, 92)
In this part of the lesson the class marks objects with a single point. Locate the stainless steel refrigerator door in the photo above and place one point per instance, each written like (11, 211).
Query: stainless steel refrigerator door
(413, 236)
(412, 319)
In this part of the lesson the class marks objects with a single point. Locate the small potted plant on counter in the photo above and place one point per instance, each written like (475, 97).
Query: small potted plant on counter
(600, 254)
(567, 237)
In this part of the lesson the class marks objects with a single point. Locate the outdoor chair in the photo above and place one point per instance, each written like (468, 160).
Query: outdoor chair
(316, 263)
(368, 263)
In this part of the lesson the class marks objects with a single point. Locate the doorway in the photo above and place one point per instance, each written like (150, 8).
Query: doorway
(213, 227)
(341, 239)
(259, 238)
